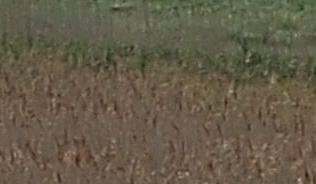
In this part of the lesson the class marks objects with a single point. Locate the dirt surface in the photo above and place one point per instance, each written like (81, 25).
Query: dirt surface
(60, 124)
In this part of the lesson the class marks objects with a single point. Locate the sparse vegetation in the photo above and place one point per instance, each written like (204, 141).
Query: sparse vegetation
(157, 91)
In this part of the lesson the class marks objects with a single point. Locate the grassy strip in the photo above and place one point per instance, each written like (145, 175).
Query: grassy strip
(243, 66)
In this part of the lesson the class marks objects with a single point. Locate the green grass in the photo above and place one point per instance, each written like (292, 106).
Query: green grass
(241, 39)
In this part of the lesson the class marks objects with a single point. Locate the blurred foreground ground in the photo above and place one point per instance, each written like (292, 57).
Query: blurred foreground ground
(65, 124)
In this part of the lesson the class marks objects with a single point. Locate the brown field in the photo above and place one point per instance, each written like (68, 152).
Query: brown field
(157, 92)
(169, 125)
